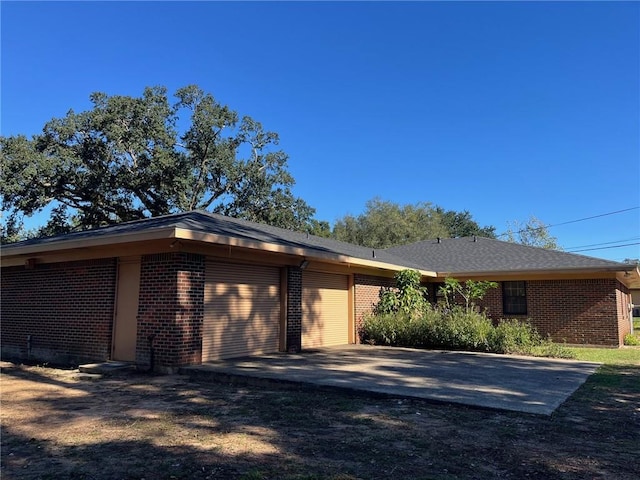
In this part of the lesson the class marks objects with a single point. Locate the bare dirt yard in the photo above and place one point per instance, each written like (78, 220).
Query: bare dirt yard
(58, 426)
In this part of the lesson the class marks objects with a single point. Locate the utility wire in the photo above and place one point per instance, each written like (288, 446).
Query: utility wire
(605, 248)
(570, 221)
(603, 243)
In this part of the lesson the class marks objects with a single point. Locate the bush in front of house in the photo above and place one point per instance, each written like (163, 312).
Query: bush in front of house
(460, 329)
(632, 340)
(514, 336)
(456, 329)
(404, 318)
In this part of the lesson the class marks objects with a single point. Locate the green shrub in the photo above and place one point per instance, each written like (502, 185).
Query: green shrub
(409, 297)
(461, 329)
(631, 339)
(514, 336)
(385, 329)
(458, 328)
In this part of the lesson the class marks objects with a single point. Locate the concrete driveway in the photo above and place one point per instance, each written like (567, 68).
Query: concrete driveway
(504, 382)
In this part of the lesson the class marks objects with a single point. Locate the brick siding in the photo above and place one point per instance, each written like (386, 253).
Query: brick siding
(294, 309)
(589, 312)
(66, 308)
(624, 312)
(170, 310)
(367, 290)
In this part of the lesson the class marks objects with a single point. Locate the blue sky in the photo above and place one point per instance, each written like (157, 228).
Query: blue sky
(504, 109)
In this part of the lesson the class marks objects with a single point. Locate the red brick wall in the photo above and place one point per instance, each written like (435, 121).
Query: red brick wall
(67, 308)
(367, 290)
(624, 312)
(573, 311)
(591, 312)
(170, 310)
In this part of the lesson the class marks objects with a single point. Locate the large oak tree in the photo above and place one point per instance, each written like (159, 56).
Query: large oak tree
(130, 158)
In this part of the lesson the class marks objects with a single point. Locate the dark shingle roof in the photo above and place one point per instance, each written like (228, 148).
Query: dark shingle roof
(479, 254)
(206, 222)
(449, 255)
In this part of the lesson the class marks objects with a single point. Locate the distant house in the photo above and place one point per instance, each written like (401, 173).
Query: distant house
(195, 287)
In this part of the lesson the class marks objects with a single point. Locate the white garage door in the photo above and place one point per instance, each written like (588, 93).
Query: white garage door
(242, 310)
(325, 309)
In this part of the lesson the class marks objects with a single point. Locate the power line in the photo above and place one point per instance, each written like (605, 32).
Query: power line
(603, 243)
(570, 221)
(605, 248)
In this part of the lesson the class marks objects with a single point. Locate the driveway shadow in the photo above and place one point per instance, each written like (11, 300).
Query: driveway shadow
(504, 382)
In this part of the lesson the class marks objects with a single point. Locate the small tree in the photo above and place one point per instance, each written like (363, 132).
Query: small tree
(533, 233)
(408, 297)
(470, 290)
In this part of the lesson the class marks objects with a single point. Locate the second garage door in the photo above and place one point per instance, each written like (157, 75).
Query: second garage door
(325, 309)
(242, 310)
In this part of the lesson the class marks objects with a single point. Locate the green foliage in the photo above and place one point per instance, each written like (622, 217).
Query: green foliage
(385, 224)
(533, 233)
(388, 329)
(460, 224)
(404, 317)
(135, 157)
(514, 336)
(457, 329)
(632, 339)
(551, 349)
(461, 329)
(470, 290)
(409, 297)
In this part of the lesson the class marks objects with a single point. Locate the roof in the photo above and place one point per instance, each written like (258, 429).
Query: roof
(207, 223)
(438, 257)
(481, 255)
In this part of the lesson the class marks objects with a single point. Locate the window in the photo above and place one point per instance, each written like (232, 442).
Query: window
(437, 294)
(514, 298)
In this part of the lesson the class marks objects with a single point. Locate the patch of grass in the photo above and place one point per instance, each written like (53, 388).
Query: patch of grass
(609, 378)
(608, 356)
(552, 349)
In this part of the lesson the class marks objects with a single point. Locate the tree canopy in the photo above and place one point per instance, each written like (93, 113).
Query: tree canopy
(385, 224)
(533, 232)
(130, 158)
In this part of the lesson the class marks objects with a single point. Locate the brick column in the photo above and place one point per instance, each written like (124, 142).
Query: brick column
(294, 309)
(170, 311)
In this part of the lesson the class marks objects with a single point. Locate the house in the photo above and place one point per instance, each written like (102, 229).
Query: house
(635, 300)
(194, 287)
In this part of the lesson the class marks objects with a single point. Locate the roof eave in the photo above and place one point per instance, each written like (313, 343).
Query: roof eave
(309, 253)
(9, 251)
(172, 232)
(534, 271)
(628, 275)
